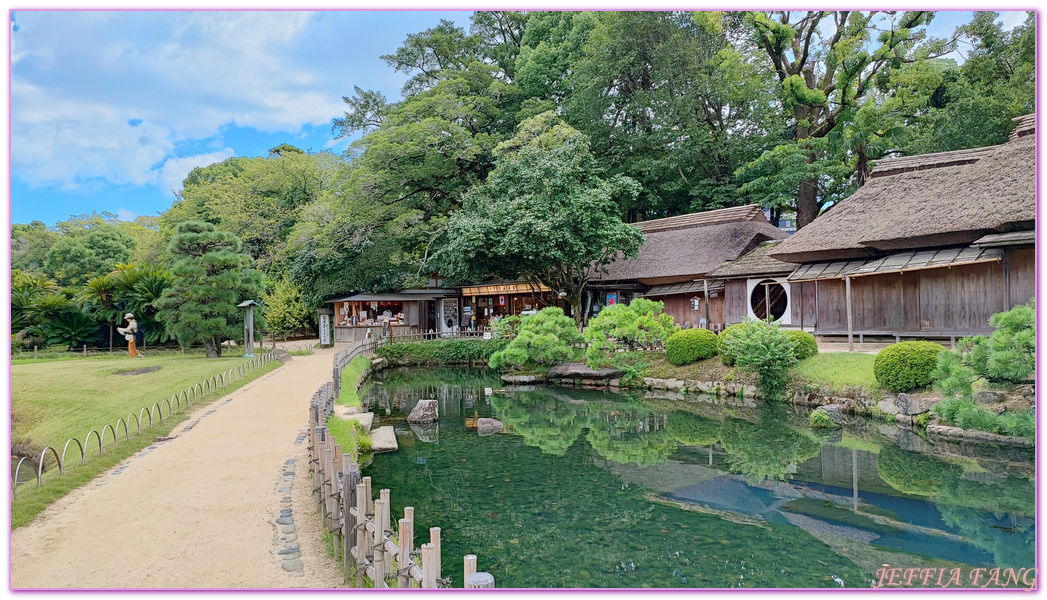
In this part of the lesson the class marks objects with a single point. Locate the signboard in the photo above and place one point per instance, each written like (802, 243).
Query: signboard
(501, 300)
(695, 303)
(509, 288)
(325, 330)
(612, 299)
(450, 313)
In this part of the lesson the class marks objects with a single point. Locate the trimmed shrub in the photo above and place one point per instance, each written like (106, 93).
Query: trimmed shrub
(689, 346)
(804, 344)
(440, 351)
(907, 365)
(543, 339)
(819, 419)
(914, 473)
(640, 323)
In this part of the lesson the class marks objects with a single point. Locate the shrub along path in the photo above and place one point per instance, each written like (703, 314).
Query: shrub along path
(197, 511)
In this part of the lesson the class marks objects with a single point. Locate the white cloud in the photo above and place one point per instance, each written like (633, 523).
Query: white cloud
(175, 170)
(125, 215)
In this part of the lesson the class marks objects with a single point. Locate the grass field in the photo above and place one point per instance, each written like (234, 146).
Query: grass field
(350, 376)
(56, 400)
(839, 370)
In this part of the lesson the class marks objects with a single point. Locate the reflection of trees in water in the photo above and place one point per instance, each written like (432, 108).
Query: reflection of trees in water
(767, 450)
(641, 450)
(1010, 538)
(542, 420)
(914, 473)
(693, 430)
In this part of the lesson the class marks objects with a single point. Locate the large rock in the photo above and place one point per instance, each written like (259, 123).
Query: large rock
(485, 426)
(908, 405)
(581, 371)
(366, 419)
(835, 412)
(282, 355)
(888, 407)
(426, 411)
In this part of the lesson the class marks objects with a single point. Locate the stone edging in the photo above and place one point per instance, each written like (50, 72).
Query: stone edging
(945, 432)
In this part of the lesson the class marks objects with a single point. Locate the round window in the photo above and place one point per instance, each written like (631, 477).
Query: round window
(769, 297)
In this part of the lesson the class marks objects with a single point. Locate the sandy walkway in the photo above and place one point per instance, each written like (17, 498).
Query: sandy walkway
(199, 510)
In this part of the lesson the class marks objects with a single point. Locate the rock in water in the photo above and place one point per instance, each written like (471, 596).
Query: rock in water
(581, 371)
(426, 411)
(486, 426)
(835, 411)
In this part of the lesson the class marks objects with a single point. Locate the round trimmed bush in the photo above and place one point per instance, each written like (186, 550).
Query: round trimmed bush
(804, 344)
(907, 366)
(690, 345)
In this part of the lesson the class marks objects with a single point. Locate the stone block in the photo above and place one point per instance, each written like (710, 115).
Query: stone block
(426, 411)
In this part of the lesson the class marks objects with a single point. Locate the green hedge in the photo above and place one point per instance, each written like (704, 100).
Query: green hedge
(729, 332)
(440, 351)
(804, 344)
(690, 345)
(907, 366)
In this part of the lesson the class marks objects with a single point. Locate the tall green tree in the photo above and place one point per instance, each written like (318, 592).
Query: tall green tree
(827, 63)
(545, 214)
(211, 276)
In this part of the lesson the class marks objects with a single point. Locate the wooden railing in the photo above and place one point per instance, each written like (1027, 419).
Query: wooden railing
(360, 524)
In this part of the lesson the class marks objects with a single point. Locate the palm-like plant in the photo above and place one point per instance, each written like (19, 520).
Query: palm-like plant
(138, 287)
(72, 328)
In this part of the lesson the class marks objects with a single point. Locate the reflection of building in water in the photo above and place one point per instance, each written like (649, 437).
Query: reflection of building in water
(452, 399)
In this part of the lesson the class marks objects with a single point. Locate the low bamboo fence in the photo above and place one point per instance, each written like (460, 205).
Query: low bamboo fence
(360, 524)
(177, 402)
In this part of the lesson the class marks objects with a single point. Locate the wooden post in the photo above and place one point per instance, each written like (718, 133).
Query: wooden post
(34, 352)
(361, 533)
(767, 302)
(801, 305)
(479, 580)
(705, 286)
(379, 550)
(325, 488)
(383, 526)
(85, 350)
(850, 317)
(428, 572)
(370, 501)
(470, 566)
(350, 479)
(434, 539)
(406, 540)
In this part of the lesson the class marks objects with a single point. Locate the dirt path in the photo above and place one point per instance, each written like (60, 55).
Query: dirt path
(200, 510)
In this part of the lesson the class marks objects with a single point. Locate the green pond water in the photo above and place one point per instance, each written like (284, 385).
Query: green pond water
(600, 489)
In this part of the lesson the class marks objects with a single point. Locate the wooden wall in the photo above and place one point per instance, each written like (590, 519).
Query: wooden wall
(961, 298)
(957, 299)
(679, 306)
(736, 301)
(1022, 264)
(804, 311)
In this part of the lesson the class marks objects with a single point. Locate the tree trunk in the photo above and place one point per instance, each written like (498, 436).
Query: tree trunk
(806, 202)
(211, 348)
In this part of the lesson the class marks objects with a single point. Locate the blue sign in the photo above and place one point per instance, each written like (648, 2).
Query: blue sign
(612, 299)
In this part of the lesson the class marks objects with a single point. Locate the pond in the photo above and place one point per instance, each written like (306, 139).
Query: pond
(627, 490)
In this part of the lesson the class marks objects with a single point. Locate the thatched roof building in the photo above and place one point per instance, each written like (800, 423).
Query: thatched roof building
(687, 247)
(929, 200)
(757, 263)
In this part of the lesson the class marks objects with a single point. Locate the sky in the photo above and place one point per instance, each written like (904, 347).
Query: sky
(110, 110)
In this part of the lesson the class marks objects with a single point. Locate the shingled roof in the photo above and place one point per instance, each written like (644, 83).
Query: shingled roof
(949, 198)
(689, 246)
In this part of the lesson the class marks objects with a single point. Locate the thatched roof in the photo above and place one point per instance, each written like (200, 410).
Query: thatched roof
(749, 212)
(927, 201)
(674, 255)
(755, 263)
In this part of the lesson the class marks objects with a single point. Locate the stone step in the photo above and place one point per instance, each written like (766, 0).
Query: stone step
(366, 419)
(383, 439)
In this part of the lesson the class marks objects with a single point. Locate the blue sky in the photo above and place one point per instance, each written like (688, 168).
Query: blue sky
(111, 109)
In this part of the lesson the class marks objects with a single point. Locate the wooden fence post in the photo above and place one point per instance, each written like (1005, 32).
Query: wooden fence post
(378, 545)
(350, 479)
(361, 533)
(434, 539)
(470, 566)
(428, 572)
(479, 580)
(382, 525)
(404, 541)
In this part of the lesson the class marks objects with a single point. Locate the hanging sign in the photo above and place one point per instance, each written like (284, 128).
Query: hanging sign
(612, 299)
(501, 300)
(325, 330)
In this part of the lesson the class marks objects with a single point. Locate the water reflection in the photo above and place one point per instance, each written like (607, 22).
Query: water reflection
(871, 495)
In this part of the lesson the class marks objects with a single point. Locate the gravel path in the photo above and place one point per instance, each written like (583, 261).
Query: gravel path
(200, 510)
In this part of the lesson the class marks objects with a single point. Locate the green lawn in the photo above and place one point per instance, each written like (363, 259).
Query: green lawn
(54, 401)
(350, 376)
(838, 370)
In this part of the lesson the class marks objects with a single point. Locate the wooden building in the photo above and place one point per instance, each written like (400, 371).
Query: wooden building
(931, 246)
(394, 313)
(487, 301)
(756, 285)
(675, 261)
